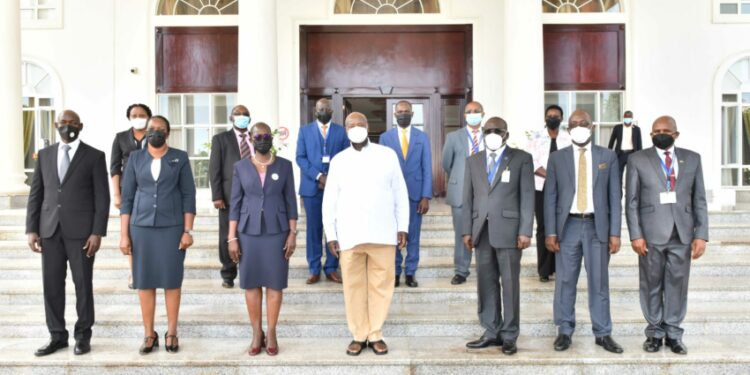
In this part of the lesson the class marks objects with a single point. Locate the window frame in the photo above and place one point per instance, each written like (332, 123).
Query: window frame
(596, 117)
(739, 17)
(55, 22)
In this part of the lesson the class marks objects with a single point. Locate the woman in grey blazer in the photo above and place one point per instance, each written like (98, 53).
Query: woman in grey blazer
(262, 232)
(156, 221)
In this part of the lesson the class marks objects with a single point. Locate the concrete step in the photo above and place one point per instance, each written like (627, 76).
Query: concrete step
(405, 320)
(409, 355)
(623, 289)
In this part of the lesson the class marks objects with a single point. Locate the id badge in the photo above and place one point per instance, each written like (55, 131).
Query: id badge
(505, 177)
(668, 197)
(325, 159)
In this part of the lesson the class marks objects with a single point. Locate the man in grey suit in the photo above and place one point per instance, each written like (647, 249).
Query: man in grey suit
(668, 223)
(498, 212)
(583, 216)
(459, 145)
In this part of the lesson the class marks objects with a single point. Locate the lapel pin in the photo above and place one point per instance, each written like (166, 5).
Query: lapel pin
(275, 177)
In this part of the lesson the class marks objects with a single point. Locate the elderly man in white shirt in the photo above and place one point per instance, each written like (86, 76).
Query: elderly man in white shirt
(366, 213)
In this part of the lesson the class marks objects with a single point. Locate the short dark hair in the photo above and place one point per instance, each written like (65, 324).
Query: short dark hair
(159, 117)
(145, 108)
(557, 107)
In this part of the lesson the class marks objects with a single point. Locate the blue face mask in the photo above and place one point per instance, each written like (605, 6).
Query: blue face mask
(473, 119)
(241, 122)
(627, 121)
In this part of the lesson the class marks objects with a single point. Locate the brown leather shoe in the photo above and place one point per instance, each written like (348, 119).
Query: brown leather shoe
(312, 279)
(356, 347)
(333, 277)
(379, 347)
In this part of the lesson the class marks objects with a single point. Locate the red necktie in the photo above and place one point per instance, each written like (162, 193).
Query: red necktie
(474, 142)
(671, 177)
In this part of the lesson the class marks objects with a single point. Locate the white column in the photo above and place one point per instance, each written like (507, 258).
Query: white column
(258, 61)
(11, 143)
(523, 57)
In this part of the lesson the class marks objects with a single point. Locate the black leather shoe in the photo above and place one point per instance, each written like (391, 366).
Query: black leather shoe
(458, 280)
(509, 347)
(411, 282)
(483, 342)
(175, 346)
(544, 279)
(652, 345)
(229, 284)
(398, 281)
(82, 347)
(51, 347)
(677, 346)
(562, 342)
(609, 344)
(145, 349)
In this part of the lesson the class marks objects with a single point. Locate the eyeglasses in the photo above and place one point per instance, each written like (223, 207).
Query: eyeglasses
(263, 137)
(494, 131)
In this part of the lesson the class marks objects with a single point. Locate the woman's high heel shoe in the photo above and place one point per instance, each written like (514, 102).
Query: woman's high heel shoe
(154, 344)
(272, 351)
(175, 344)
(253, 351)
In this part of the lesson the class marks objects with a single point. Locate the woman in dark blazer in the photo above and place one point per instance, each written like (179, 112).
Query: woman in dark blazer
(262, 232)
(156, 221)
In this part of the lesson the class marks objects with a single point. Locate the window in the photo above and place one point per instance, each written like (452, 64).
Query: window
(581, 6)
(38, 112)
(731, 11)
(198, 7)
(386, 6)
(41, 13)
(735, 125)
(605, 108)
(194, 120)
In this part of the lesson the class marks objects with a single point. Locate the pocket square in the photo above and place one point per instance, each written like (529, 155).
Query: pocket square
(603, 166)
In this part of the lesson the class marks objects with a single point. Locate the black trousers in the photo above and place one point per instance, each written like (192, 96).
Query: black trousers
(228, 267)
(57, 252)
(545, 259)
(622, 159)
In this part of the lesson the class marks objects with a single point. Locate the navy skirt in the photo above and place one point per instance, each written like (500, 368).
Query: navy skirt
(157, 260)
(262, 263)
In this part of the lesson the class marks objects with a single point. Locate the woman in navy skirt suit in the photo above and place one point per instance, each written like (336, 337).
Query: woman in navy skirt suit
(262, 232)
(156, 221)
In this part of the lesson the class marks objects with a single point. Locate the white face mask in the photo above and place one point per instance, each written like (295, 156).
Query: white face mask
(580, 134)
(357, 134)
(493, 141)
(138, 123)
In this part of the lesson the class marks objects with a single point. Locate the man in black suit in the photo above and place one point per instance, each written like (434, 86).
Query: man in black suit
(66, 218)
(625, 140)
(226, 149)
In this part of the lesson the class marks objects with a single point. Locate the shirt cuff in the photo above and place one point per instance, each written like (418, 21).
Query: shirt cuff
(318, 176)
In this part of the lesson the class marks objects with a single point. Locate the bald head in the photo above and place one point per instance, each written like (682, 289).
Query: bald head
(323, 105)
(664, 124)
(260, 128)
(355, 119)
(496, 123)
(69, 125)
(68, 116)
(579, 118)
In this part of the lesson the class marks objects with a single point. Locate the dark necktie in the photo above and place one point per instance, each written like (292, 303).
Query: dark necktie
(672, 179)
(65, 163)
(244, 147)
(553, 145)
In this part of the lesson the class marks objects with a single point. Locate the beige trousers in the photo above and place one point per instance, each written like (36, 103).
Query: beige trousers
(368, 272)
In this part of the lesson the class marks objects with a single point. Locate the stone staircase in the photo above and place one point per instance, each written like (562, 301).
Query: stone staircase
(426, 330)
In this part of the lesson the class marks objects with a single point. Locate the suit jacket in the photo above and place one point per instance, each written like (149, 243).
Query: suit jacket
(507, 207)
(653, 221)
(160, 203)
(224, 153)
(616, 139)
(560, 188)
(122, 146)
(79, 205)
(455, 152)
(274, 201)
(417, 168)
(310, 153)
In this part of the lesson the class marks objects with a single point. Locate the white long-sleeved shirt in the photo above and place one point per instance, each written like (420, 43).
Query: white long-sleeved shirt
(539, 149)
(365, 200)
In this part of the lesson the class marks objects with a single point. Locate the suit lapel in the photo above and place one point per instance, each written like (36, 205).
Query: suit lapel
(53, 163)
(596, 158)
(233, 146)
(656, 163)
(570, 165)
(413, 141)
(77, 157)
(504, 162)
(464, 143)
(271, 170)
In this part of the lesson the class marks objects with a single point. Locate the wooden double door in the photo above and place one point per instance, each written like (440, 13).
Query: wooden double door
(369, 69)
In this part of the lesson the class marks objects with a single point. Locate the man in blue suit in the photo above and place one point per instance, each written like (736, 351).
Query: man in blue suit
(318, 142)
(413, 149)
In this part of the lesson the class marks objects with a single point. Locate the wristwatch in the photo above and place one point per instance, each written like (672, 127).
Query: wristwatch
(188, 231)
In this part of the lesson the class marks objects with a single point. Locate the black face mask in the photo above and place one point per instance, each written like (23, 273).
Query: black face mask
(156, 138)
(553, 123)
(403, 120)
(68, 133)
(663, 141)
(263, 146)
(323, 117)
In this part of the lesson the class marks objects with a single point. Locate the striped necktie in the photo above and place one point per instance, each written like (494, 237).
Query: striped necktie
(672, 178)
(474, 141)
(244, 147)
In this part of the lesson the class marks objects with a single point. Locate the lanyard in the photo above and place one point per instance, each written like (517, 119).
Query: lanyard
(492, 171)
(668, 172)
(471, 140)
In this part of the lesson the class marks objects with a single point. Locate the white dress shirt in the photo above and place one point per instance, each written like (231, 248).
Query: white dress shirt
(675, 164)
(155, 168)
(365, 200)
(60, 154)
(627, 138)
(589, 181)
(539, 149)
(498, 156)
(480, 135)
(400, 135)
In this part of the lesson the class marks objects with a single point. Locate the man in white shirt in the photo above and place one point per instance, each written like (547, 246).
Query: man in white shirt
(625, 140)
(546, 141)
(366, 214)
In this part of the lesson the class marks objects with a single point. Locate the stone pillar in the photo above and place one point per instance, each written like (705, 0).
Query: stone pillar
(258, 87)
(523, 92)
(12, 186)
